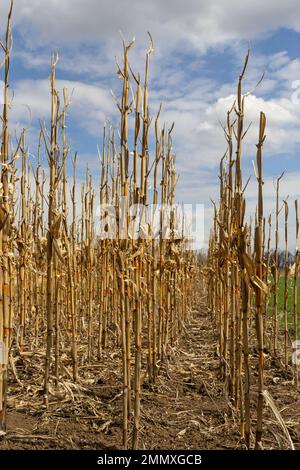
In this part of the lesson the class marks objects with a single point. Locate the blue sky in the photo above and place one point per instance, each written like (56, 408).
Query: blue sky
(199, 51)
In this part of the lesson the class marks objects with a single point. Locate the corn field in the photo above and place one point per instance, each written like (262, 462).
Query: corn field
(70, 298)
(241, 274)
(76, 295)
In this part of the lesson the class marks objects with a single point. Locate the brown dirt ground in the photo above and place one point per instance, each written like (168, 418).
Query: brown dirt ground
(186, 409)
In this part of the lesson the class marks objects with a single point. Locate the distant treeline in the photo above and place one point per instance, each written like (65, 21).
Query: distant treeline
(282, 258)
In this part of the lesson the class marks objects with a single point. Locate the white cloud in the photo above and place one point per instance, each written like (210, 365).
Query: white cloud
(201, 22)
(90, 105)
(199, 139)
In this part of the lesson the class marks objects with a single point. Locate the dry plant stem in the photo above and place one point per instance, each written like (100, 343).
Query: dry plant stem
(259, 292)
(286, 280)
(22, 251)
(241, 234)
(52, 158)
(275, 270)
(295, 290)
(245, 306)
(125, 299)
(5, 230)
(267, 273)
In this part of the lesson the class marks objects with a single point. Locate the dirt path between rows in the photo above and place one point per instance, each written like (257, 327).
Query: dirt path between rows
(186, 409)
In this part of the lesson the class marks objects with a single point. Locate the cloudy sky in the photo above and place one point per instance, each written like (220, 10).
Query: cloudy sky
(199, 51)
